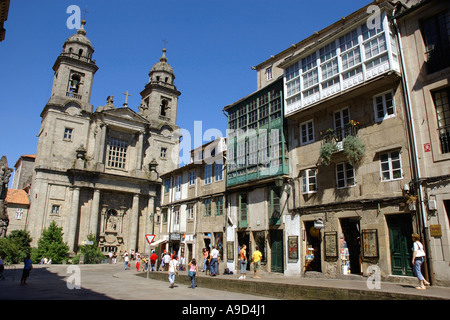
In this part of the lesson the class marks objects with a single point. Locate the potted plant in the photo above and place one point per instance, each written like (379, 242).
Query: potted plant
(326, 150)
(354, 149)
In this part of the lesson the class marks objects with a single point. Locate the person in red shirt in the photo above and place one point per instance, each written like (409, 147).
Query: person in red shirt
(153, 259)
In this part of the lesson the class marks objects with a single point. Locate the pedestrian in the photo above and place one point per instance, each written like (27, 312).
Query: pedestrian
(166, 260)
(153, 259)
(2, 268)
(138, 262)
(243, 261)
(205, 259)
(182, 261)
(417, 260)
(173, 269)
(110, 257)
(114, 257)
(27, 267)
(214, 261)
(256, 257)
(126, 259)
(192, 272)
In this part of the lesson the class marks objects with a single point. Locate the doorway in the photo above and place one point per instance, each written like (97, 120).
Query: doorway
(400, 230)
(313, 259)
(244, 238)
(276, 249)
(351, 246)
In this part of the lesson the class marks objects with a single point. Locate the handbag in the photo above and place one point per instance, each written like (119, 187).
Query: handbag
(190, 273)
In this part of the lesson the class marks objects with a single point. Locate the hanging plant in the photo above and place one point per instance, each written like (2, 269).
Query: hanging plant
(354, 149)
(326, 151)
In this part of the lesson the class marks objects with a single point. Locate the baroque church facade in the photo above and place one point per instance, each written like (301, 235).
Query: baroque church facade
(97, 170)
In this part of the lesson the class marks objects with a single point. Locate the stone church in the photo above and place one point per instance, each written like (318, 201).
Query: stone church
(97, 170)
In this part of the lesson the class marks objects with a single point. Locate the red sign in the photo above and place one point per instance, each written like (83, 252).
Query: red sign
(427, 147)
(150, 238)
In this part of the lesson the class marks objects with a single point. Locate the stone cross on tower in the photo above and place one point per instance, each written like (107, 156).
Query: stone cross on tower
(126, 98)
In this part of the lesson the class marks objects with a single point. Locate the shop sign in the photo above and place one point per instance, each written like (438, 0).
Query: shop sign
(174, 236)
(435, 230)
(318, 224)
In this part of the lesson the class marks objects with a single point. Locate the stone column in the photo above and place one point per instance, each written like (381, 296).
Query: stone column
(139, 147)
(73, 219)
(95, 208)
(133, 227)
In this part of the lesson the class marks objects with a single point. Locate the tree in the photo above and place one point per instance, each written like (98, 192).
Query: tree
(15, 247)
(91, 252)
(51, 245)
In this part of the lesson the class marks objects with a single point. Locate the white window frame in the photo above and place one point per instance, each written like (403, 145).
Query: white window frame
(163, 153)
(218, 172)
(208, 174)
(390, 166)
(55, 209)
(19, 213)
(269, 74)
(190, 211)
(309, 129)
(117, 153)
(384, 106)
(346, 168)
(192, 178)
(309, 177)
(68, 134)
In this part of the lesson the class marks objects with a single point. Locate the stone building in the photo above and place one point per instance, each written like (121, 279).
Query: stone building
(424, 32)
(97, 170)
(193, 204)
(18, 206)
(257, 158)
(349, 150)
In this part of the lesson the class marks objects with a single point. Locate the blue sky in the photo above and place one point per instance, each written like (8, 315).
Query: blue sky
(211, 46)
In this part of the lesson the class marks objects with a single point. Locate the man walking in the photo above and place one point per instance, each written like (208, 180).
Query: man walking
(214, 260)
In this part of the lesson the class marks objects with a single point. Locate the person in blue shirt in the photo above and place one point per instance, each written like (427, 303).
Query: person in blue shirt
(26, 270)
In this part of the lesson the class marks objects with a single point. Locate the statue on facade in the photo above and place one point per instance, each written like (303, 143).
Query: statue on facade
(5, 174)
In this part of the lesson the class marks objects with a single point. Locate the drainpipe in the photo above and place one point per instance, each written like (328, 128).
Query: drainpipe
(416, 176)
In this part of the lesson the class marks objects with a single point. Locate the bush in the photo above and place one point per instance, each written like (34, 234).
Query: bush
(15, 247)
(90, 252)
(51, 245)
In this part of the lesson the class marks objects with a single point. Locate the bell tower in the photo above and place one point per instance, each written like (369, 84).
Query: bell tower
(74, 72)
(160, 96)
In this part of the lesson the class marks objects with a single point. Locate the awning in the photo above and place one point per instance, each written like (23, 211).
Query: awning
(160, 241)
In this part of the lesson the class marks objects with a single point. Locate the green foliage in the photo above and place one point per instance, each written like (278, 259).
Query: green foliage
(354, 149)
(91, 252)
(326, 151)
(15, 247)
(51, 245)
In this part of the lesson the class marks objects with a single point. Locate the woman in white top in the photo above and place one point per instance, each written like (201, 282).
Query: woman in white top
(173, 268)
(417, 260)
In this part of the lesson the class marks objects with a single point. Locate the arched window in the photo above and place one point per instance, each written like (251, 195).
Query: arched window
(74, 83)
(80, 52)
(163, 111)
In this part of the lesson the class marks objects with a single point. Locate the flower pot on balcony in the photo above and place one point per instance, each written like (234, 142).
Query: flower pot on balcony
(354, 149)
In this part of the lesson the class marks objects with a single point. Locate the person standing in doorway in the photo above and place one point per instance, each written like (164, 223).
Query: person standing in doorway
(243, 261)
(205, 258)
(173, 269)
(257, 256)
(27, 267)
(417, 260)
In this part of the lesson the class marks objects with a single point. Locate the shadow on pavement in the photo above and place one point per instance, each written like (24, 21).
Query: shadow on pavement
(43, 284)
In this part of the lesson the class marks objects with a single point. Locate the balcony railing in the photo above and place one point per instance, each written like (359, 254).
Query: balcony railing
(338, 135)
(73, 95)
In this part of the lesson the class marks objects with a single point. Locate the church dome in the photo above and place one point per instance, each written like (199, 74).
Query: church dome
(80, 37)
(162, 65)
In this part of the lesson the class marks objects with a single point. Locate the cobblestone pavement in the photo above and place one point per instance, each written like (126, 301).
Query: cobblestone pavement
(101, 282)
